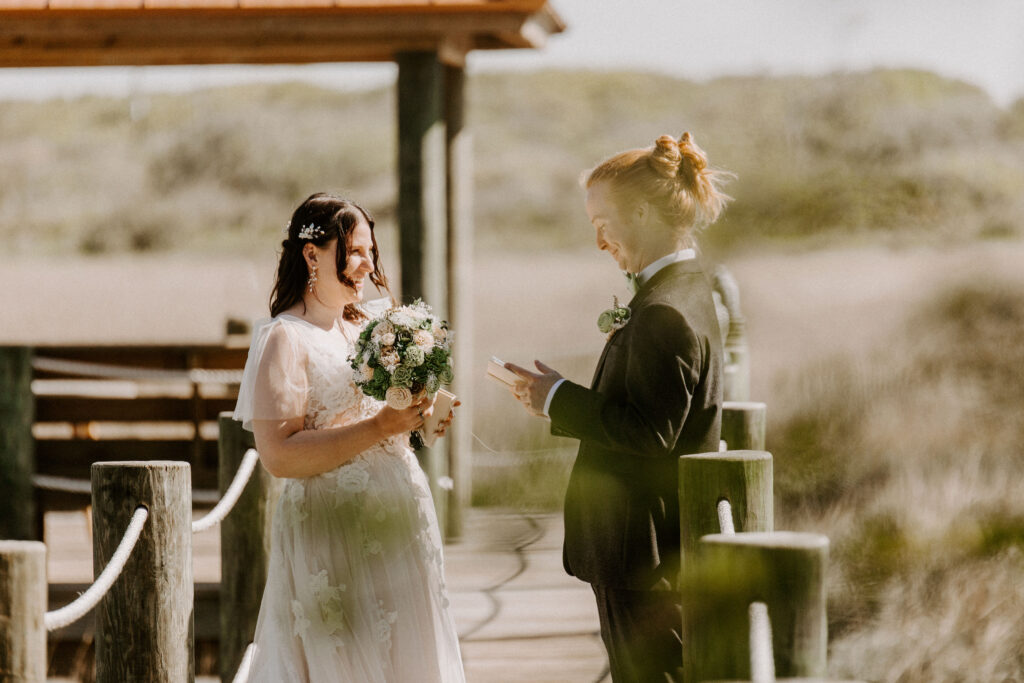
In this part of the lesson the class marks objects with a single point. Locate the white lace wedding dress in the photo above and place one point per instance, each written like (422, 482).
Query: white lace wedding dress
(355, 589)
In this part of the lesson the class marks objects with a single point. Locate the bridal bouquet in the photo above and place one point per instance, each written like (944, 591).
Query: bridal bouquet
(402, 354)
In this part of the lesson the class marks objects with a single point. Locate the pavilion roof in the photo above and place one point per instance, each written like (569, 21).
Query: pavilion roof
(149, 32)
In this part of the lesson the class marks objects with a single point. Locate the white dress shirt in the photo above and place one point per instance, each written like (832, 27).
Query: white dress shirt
(643, 277)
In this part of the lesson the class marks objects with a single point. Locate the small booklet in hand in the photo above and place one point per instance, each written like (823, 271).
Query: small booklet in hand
(497, 371)
(442, 406)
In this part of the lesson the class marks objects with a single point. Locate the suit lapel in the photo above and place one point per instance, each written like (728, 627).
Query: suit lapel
(670, 271)
(600, 363)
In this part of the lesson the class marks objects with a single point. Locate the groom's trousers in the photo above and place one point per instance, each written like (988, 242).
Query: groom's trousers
(640, 630)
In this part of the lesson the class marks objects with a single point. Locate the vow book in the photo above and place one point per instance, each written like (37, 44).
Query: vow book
(497, 371)
(442, 406)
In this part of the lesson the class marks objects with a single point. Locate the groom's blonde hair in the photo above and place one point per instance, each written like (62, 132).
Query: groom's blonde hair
(672, 176)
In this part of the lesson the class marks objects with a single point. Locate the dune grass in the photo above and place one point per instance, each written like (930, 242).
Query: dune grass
(911, 460)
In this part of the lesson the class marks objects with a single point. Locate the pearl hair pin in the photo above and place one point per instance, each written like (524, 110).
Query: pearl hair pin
(311, 232)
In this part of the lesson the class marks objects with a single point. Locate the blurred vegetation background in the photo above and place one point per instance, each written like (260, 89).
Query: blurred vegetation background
(882, 155)
(904, 443)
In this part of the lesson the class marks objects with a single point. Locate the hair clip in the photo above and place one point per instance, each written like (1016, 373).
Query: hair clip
(311, 232)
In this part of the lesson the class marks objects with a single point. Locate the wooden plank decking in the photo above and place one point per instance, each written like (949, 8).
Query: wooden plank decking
(520, 618)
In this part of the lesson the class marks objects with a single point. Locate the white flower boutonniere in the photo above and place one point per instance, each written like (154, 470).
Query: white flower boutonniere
(614, 319)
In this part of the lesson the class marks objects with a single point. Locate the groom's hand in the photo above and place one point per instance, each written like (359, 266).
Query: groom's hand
(532, 388)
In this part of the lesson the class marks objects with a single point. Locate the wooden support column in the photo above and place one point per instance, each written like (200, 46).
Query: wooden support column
(17, 448)
(22, 611)
(244, 545)
(144, 624)
(460, 293)
(422, 212)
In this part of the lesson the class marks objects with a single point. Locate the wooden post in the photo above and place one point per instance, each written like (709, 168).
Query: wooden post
(422, 213)
(22, 611)
(744, 425)
(460, 293)
(17, 448)
(144, 624)
(744, 478)
(422, 167)
(244, 546)
(786, 571)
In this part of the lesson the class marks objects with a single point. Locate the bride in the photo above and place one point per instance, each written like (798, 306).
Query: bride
(355, 588)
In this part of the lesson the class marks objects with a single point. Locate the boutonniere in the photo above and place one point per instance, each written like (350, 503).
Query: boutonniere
(613, 319)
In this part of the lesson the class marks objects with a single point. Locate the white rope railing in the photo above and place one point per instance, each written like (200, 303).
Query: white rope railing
(71, 613)
(62, 484)
(242, 675)
(725, 517)
(105, 371)
(762, 661)
(221, 510)
(59, 618)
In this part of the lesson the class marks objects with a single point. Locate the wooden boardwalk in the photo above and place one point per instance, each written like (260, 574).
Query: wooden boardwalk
(520, 618)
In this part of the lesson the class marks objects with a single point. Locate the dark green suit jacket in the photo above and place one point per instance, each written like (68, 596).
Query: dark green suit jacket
(656, 395)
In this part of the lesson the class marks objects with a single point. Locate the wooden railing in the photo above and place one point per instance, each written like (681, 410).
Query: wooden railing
(143, 594)
(65, 408)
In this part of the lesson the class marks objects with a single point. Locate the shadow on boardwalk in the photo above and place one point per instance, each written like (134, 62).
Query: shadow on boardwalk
(520, 617)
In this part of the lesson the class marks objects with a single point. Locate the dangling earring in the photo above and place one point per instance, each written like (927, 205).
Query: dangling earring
(311, 282)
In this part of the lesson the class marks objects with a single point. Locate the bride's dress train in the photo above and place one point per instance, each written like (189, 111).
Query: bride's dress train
(355, 589)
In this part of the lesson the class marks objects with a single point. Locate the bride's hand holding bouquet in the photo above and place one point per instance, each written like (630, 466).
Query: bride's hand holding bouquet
(403, 357)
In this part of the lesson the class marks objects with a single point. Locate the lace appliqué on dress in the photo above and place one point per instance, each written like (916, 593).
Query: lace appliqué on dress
(382, 628)
(334, 397)
(329, 599)
(328, 608)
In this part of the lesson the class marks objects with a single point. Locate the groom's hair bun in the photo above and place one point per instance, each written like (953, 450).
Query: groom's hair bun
(673, 176)
(683, 158)
(665, 157)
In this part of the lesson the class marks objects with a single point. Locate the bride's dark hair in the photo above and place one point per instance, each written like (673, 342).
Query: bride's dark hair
(335, 218)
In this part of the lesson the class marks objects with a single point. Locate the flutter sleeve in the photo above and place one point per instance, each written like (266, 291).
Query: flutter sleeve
(274, 383)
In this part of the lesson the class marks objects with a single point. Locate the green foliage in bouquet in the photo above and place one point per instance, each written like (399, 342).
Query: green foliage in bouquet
(403, 353)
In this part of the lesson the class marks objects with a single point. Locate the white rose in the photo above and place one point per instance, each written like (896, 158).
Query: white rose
(382, 328)
(423, 339)
(390, 359)
(398, 398)
(402, 319)
(365, 372)
(388, 339)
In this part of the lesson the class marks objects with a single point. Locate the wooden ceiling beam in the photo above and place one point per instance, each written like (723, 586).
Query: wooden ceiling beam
(84, 38)
(348, 6)
(221, 35)
(450, 53)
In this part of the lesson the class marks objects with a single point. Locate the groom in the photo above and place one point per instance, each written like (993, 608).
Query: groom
(656, 395)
